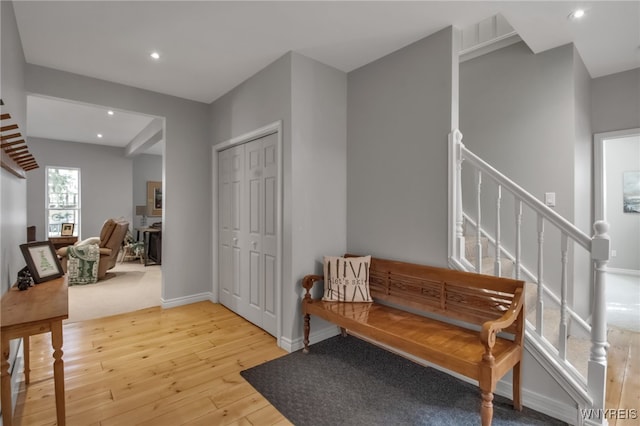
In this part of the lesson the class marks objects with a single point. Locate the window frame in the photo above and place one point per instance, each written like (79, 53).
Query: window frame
(48, 209)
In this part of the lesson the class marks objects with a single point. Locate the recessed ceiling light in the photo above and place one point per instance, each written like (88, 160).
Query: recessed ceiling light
(99, 135)
(576, 14)
(110, 112)
(155, 55)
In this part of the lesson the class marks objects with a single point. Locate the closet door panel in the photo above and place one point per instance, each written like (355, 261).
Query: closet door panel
(230, 274)
(270, 232)
(254, 202)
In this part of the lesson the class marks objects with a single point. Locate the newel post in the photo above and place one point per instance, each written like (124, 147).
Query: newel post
(455, 195)
(597, 374)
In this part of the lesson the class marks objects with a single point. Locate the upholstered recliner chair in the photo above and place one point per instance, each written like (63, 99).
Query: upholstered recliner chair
(111, 238)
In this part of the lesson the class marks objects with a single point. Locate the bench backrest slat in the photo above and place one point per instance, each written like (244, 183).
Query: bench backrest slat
(469, 297)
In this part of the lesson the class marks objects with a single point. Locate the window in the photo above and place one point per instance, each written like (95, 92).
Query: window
(63, 199)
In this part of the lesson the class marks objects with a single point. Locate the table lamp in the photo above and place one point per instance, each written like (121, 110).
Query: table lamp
(142, 211)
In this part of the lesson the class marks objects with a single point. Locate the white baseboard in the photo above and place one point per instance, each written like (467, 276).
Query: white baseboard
(315, 337)
(538, 402)
(620, 271)
(186, 300)
(16, 370)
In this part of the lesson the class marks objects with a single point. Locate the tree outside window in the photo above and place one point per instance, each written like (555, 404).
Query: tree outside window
(63, 199)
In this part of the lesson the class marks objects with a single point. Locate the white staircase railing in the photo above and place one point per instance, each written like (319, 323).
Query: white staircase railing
(597, 246)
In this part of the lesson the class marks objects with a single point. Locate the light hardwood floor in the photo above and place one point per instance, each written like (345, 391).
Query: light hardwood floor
(181, 366)
(155, 367)
(623, 377)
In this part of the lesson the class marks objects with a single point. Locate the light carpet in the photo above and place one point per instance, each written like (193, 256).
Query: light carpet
(128, 287)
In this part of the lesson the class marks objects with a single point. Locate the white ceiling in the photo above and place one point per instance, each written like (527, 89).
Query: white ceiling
(208, 47)
(70, 121)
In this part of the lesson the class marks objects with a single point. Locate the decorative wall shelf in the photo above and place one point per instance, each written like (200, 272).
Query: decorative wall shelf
(16, 157)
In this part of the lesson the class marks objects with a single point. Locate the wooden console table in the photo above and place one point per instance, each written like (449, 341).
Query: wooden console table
(59, 242)
(39, 309)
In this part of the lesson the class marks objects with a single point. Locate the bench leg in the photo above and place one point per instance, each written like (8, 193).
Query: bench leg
(486, 412)
(307, 327)
(343, 331)
(517, 387)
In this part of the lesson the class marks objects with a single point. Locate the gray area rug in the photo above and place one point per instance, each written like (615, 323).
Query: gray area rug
(346, 381)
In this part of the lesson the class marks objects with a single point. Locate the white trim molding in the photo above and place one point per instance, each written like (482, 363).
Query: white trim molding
(187, 300)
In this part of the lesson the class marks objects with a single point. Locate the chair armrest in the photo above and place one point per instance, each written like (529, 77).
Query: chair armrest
(308, 282)
(490, 329)
(104, 251)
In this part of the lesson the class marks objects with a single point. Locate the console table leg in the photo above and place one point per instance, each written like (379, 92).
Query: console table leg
(58, 370)
(27, 364)
(7, 407)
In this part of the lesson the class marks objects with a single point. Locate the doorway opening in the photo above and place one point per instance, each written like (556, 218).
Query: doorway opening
(617, 201)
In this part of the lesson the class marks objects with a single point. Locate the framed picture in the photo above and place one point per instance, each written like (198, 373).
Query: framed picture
(67, 229)
(42, 260)
(631, 192)
(154, 198)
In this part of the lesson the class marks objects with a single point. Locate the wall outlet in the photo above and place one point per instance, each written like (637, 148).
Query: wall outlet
(614, 253)
(550, 199)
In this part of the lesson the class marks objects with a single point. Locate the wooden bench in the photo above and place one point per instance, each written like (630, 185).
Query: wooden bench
(471, 309)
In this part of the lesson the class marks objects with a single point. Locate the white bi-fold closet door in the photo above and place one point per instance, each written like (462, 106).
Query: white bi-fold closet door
(248, 230)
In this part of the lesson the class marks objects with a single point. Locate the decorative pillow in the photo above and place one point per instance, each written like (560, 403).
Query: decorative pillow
(92, 240)
(346, 279)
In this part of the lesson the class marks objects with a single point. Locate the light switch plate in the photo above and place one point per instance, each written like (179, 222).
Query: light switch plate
(550, 199)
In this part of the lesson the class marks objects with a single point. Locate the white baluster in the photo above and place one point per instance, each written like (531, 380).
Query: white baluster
(518, 237)
(597, 373)
(497, 269)
(478, 227)
(540, 307)
(562, 337)
(459, 218)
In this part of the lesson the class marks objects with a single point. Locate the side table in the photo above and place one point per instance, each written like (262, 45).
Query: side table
(152, 254)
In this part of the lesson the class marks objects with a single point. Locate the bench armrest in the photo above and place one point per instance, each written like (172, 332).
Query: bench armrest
(490, 329)
(308, 282)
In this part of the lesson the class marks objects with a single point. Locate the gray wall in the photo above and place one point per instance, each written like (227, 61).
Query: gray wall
(146, 168)
(186, 179)
(399, 118)
(622, 155)
(517, 106)
(13, 191)
(319, 174)
(518, 113)
(615, 104)
(583, 182)
(105, 179)
(314, 165)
